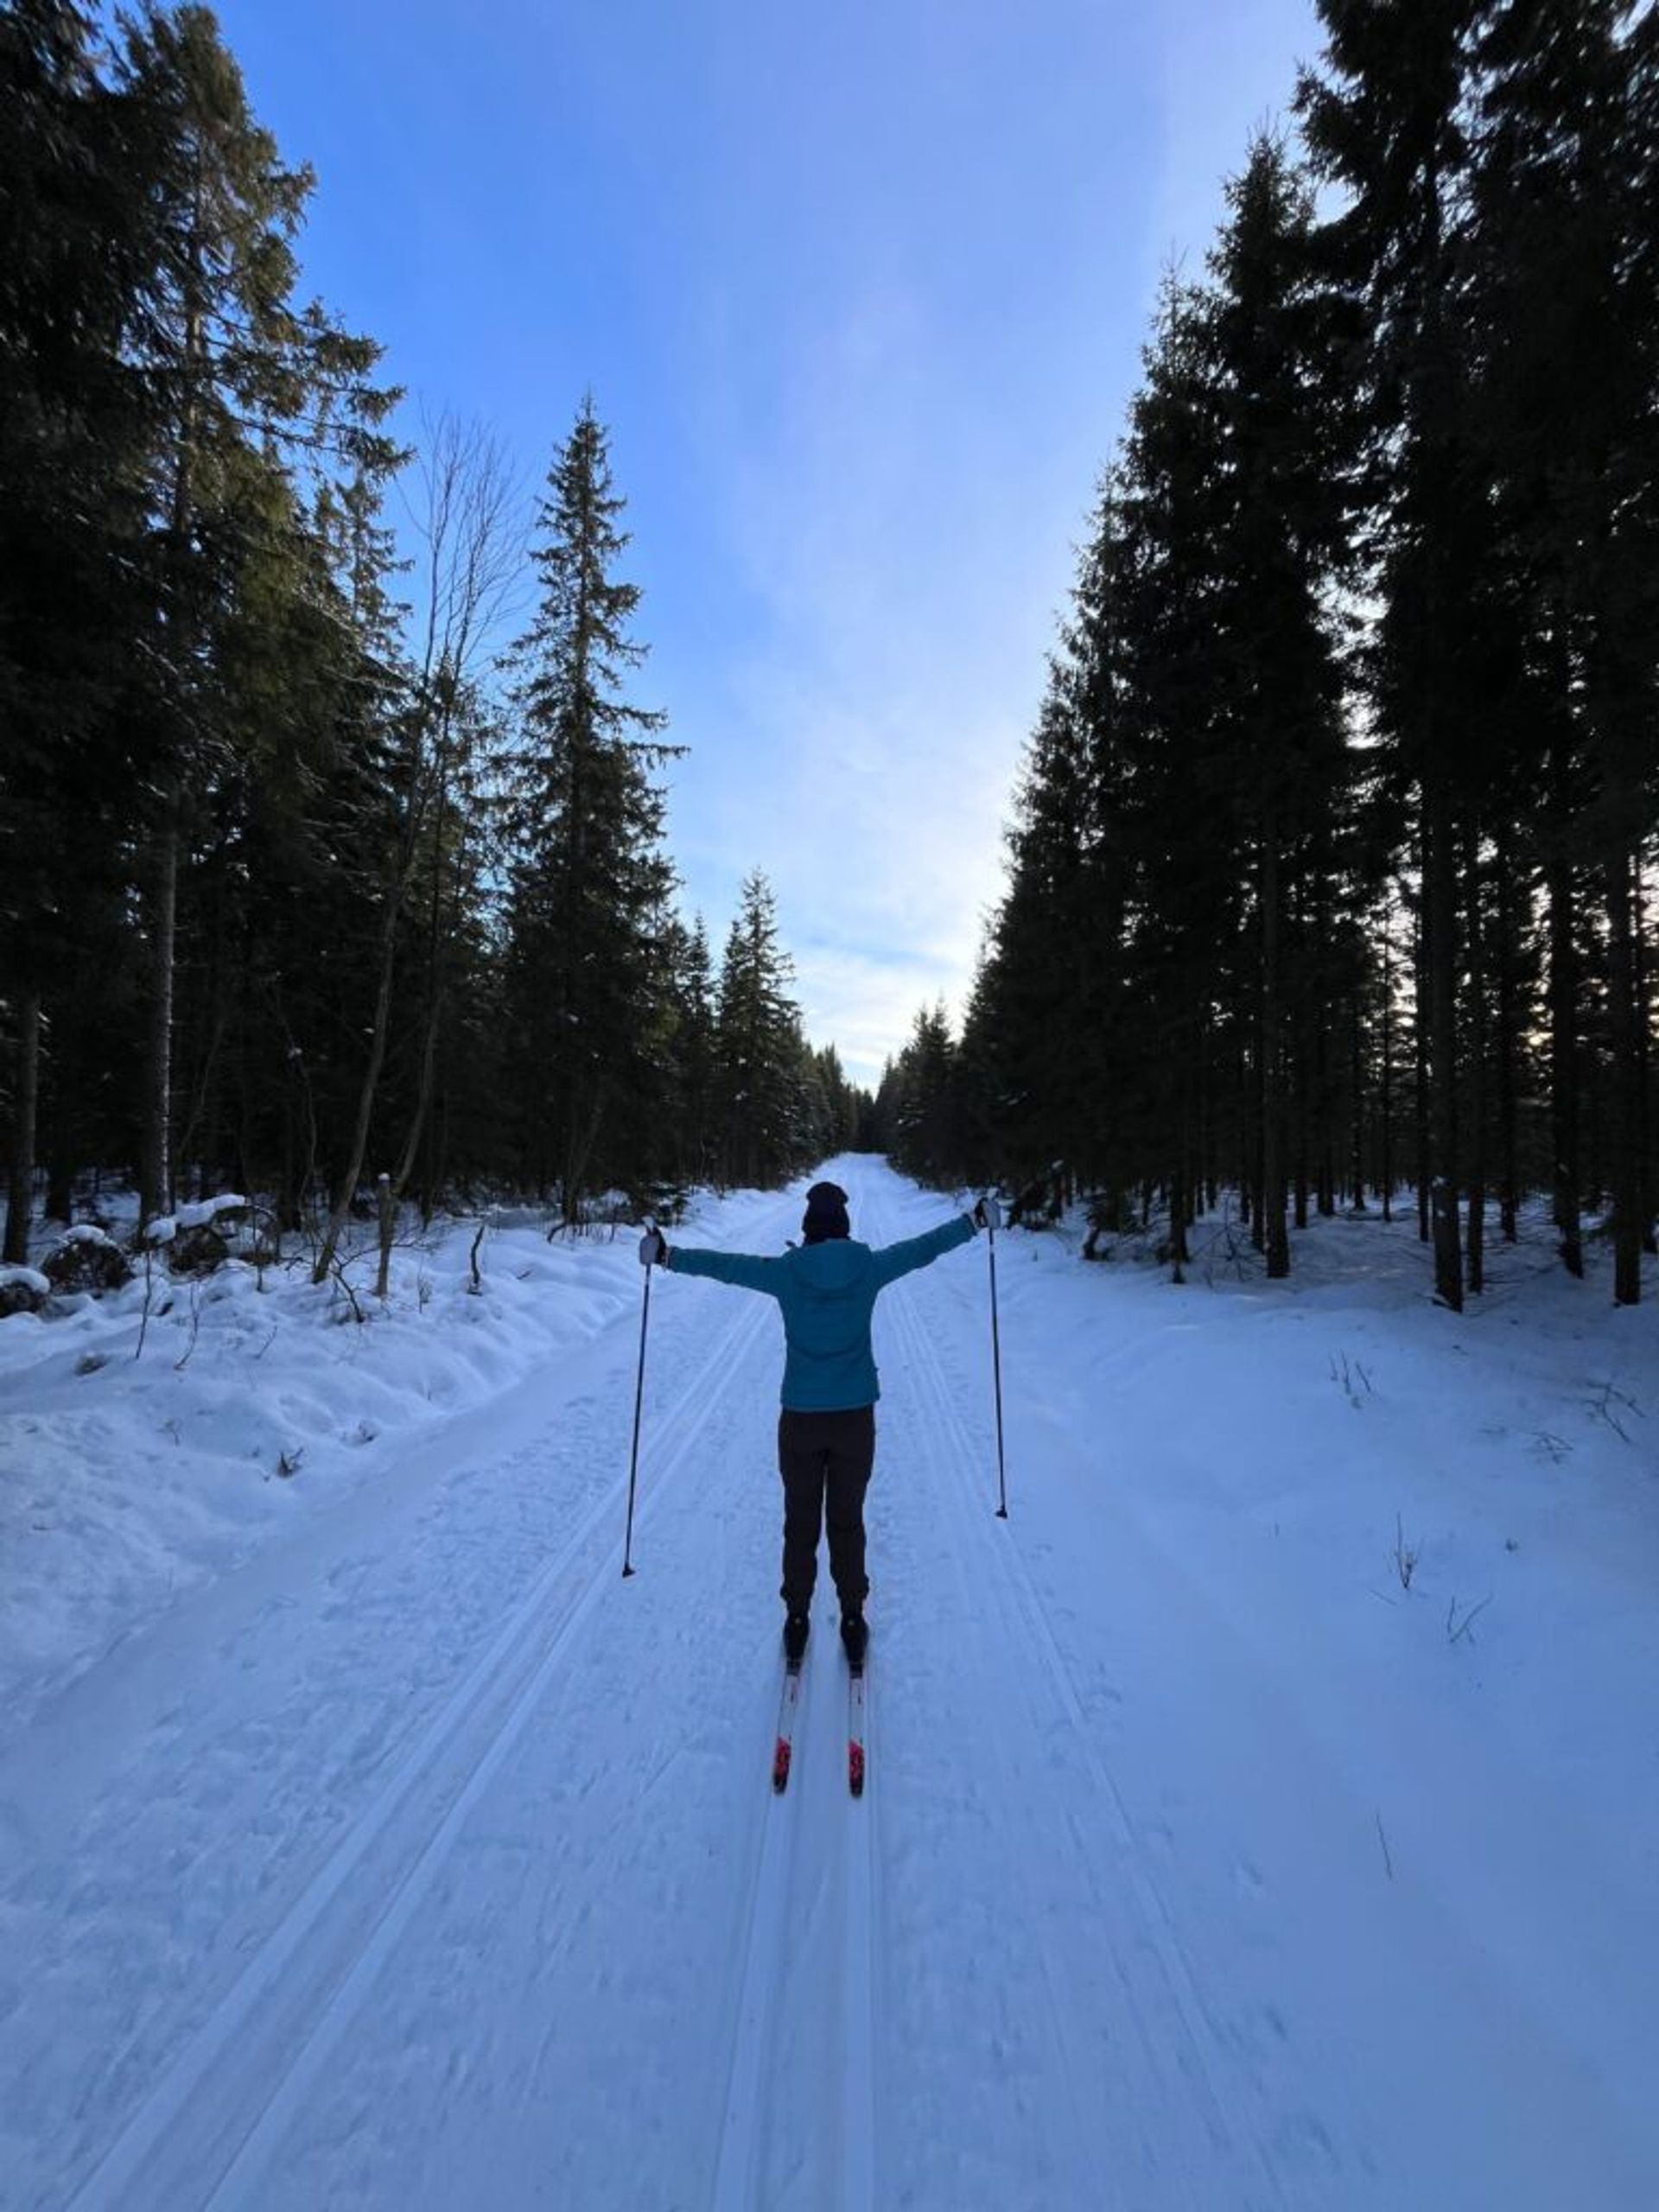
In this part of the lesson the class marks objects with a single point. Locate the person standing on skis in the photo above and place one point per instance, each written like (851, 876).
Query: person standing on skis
(826, 1289)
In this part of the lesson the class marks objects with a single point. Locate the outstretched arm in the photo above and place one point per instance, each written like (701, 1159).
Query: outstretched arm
(896, 1260)
(746, 1269)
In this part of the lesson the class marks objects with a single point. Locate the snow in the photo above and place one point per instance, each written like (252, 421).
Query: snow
(163, 1228)
(24, 1279)
(1266, 1813)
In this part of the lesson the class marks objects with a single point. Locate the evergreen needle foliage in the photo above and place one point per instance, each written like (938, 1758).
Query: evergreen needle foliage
(1333, 852)
(300, 887)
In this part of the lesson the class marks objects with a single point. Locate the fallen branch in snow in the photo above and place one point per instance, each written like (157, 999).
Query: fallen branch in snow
(1387, 1860)
(1235, 1249)
(337, 1268)
(471, 1257)
(1356, 1384)
(1601, 1407)
(1405, 1555)
(1455, 1628)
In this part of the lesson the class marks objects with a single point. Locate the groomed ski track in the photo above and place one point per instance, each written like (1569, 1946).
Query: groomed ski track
(429, 1863)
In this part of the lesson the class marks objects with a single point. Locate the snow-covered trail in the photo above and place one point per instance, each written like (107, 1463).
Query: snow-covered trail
(426, 1862)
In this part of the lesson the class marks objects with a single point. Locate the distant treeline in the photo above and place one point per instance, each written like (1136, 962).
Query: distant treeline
(1333, 860)
(301, 884)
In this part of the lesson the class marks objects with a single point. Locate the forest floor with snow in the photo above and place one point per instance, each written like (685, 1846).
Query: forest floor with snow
(1266, 1813)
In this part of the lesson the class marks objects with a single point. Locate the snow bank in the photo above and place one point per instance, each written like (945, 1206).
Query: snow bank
(143, 1455)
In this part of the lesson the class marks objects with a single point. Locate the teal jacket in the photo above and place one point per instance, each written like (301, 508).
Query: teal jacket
(827, 1293)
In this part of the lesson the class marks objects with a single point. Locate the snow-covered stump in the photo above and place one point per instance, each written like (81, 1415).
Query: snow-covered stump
(88, 1259)
(22, 1290)
(194, 1238)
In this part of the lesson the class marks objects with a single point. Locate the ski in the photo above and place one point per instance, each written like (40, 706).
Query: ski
(855, 1731)
(788, 1706)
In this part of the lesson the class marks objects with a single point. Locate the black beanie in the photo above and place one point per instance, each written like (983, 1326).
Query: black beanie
(826, 1213)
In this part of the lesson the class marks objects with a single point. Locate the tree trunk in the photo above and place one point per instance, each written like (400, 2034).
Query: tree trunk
(435, 991)
(20, 1195)
(1508, 1042)
(1356, 1118)
(1386, 1148)
(1474, 1264)
(60, 1176)
(1644, 1055)
(156, 1154)
(1440, 888)
(1624, 1026)
(1419, 1045)
(387, 1210)
(1563, 1037)
(156, 1157)
(1275, 1236)
(347, 1190)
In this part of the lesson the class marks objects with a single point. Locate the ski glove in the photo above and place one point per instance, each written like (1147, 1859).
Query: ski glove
(988, 1214)
(653, 1250)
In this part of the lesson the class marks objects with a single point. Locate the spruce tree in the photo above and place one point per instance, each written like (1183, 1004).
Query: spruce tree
(1388, 121)
(1565, 272)
(587, 976)
(927, 1141)
(763, 1131)
(1278, 547)
(249, 388)
(74, 424)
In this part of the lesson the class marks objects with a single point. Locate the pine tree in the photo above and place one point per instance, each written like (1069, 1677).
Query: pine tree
(762, 1129)
(1565, 269)
(249, 387)
(1280, 544)
(926, 1142)
(1158, 988)
(693, 1054)
(587, 978)
(74, 420)
(1389, 122)
(842, 1099)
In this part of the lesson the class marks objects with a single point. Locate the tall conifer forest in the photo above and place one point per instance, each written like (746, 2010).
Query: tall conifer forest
(314, 875)
(1330, 867)
(1331, 875)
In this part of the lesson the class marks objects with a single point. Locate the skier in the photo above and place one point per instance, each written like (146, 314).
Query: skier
(826, 1289)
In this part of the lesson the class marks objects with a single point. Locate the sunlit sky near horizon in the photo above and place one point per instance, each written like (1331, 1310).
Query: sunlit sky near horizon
(859, 296)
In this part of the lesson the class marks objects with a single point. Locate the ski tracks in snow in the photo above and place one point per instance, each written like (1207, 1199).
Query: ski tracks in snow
(806, 2001)
(760, 1994)
(965, 1989)
(206, 2128)
(1171, 2087)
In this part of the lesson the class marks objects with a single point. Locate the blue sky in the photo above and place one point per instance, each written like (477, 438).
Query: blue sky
(860, 295)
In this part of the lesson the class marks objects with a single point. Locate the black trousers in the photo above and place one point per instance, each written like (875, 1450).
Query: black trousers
(825, 1461)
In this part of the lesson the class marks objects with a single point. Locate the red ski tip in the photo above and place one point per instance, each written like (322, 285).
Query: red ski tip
(781, 1764)
(856, 1767)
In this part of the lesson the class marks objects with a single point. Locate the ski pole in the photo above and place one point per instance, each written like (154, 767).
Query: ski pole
(996, 1371)
(638, 1399)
